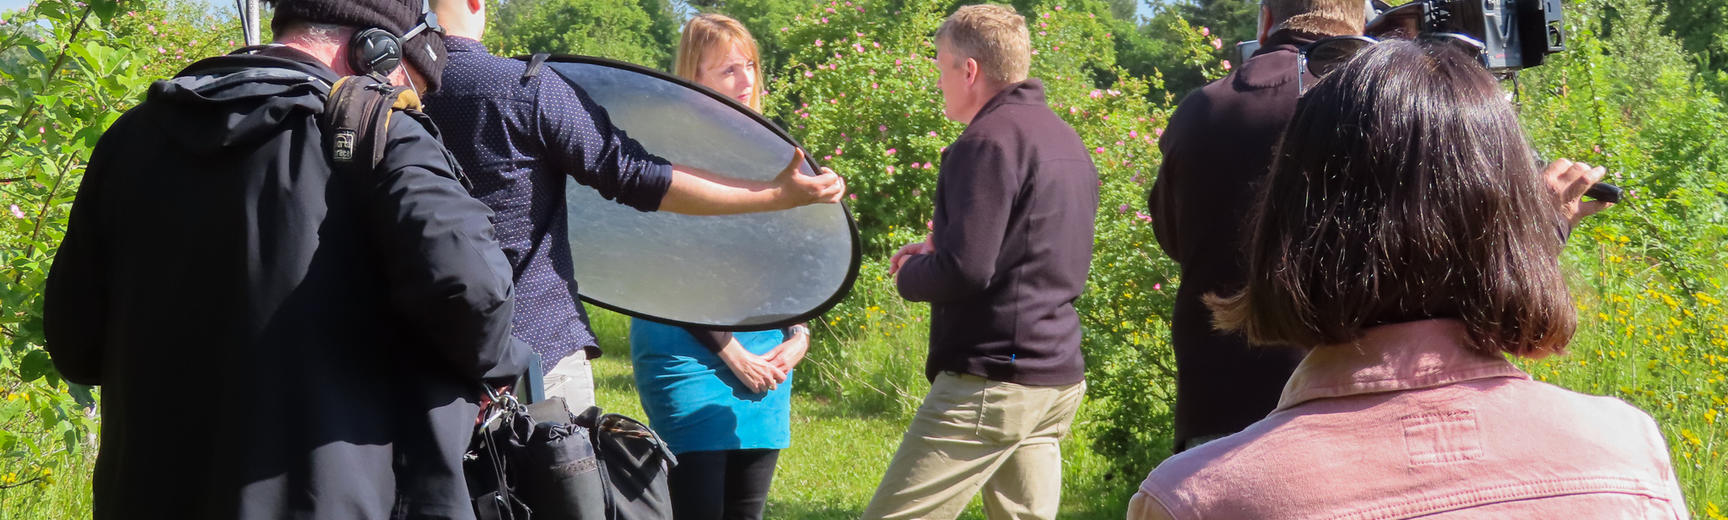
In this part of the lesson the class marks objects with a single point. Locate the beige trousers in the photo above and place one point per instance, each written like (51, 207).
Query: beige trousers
(974, 433)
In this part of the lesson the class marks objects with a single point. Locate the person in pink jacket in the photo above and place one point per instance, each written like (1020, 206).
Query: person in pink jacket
(1407, 239)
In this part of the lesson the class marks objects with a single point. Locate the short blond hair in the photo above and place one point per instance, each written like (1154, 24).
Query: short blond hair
(995, 36)
(707, 34)
(1319, 18)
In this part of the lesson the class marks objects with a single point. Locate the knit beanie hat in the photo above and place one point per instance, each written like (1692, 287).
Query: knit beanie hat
(425, 51)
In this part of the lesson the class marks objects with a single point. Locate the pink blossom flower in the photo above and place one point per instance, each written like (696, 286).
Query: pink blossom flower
(1217, 43)
(784, 29)
(1058, 8)
(1122, 209)
(1133, 133)
(854, 196)
(827, 158)
(17, 213)
(1142, 216)
(873, 86)
(1225, 63)
(890, 151)
(896, 61)
(1157, 287)
(824, 19)
(809, 73)
(1205, 31)
(881, 128)
(1095, 94)
(1119, 143)
(1099, 150)
(819, 42)
(932, 134)
(876, 45)
(1158, 131)
(890, 170)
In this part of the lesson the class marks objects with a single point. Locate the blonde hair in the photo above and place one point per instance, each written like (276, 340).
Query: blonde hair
(993, 35)
(1317, 17)
(709, 33)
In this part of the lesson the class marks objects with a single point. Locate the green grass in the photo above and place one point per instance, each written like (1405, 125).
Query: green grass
(841, 444)
(66, 496)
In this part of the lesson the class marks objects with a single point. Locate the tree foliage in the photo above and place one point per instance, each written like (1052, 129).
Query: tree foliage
(636, 31)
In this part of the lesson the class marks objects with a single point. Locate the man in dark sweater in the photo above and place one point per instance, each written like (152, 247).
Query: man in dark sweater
(1008, 255)
(1217, 147)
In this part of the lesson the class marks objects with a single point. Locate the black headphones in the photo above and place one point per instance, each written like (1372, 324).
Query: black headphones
(376, 51)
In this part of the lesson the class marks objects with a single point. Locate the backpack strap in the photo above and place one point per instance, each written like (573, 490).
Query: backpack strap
(534, 63)
(356, 120)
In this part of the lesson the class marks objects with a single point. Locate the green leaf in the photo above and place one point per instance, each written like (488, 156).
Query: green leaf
(36, 365)
(36, 53)
(105, 8)
(82, 394)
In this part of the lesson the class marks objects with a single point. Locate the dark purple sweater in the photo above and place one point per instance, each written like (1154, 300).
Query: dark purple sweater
(1015, 202)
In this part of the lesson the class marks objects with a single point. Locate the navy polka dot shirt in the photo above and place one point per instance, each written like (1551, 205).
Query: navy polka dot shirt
(518, 140)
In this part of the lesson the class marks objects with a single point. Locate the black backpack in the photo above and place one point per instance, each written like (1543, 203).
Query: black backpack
(541, 462)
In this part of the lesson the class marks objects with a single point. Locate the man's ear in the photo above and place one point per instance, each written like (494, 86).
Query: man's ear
(1265, 24)
(971, 71)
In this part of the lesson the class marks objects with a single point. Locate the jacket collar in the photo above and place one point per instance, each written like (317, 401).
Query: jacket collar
(1275, 63)
(1391, 358)
(1029, 92)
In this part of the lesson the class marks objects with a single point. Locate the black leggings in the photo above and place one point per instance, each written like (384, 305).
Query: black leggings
(721, 485)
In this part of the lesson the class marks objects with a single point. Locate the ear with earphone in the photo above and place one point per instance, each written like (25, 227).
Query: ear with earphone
(377, 51)
(374, 51)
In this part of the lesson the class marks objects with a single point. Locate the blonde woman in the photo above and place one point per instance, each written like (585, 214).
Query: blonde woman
(721, 400)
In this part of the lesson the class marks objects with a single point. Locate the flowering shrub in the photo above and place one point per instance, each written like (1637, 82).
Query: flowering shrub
(1647, 275)
(61, 84)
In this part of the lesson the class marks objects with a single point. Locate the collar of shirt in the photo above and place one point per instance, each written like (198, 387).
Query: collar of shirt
(460, 44)
(1029, 92)
(1390, 358)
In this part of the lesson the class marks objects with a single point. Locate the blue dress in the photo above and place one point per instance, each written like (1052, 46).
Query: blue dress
(695, 402)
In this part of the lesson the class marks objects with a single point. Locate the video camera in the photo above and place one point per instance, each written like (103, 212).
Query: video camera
(1517, 34)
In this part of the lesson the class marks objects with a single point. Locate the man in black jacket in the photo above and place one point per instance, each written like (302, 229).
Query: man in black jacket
(1217, 148)
(1008, 255)
(274, 340)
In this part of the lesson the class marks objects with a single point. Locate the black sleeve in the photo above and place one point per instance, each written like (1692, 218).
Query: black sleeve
(974, 197)
(74, 316)
(1164, 202)
(713, 340)
(447, 276)
(580, 139)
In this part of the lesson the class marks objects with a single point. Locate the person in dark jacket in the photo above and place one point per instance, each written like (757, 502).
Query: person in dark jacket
(1009, 251)
(522, 140)
(1217, 146)
(274, 340)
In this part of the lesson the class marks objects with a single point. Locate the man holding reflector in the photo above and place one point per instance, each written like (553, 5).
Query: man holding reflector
(520, 134)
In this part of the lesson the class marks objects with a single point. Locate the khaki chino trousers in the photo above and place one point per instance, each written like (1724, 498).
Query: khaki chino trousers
(972, 433)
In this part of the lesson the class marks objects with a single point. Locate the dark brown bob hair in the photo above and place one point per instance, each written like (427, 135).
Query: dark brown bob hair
(1404, 190)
